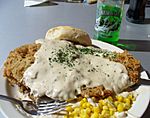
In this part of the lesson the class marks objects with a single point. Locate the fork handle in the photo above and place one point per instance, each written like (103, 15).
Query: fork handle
(10, 99)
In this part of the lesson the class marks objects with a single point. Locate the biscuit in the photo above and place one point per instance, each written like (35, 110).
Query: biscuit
(70, 34)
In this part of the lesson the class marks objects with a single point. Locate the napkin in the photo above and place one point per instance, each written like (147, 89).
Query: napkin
(28, 3)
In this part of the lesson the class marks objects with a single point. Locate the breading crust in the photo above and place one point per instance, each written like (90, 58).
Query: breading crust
(98, 91)
(132, 65)
(17, 62)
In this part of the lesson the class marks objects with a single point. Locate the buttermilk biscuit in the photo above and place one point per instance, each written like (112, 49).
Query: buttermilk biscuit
(70, 34)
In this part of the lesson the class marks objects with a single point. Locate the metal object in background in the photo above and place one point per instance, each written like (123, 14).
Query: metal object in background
(136, 11)
(75, 1)
(134, 45)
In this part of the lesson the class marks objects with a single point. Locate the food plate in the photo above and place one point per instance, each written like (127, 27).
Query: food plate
(9, 110)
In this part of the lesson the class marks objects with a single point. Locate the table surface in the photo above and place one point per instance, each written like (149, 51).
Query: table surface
(21, 25)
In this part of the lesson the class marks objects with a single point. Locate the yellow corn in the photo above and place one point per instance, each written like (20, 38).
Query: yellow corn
(84, 100)
(81, 103)
(101, 116)
(105, 108)
(82, 111)
(120, 98)
(88, 110)
(133, 99)
(102, 102)
(120, 107)
(105, 113)
(95, 115)
(84, 105)
(110, 98)
(116, 103)
(88, 104)
(77, 110)
(127, 106)
(111, 112)
(127, 100)
(84, 115)
(110, 105)
(113, 109)
(96, 109)
(66, 116)
(69, 109)
(130, 96)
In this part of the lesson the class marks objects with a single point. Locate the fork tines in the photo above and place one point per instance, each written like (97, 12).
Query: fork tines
(51, 108)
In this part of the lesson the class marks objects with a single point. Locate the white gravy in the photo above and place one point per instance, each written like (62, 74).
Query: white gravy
(60, 70)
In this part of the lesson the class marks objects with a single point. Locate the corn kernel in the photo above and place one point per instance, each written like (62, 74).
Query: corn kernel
(107, 115)
(88, 110)
(69, 109)
(105, 108)
(94, 99)
(91, 107)
(127, 106)
(77, 110)
(110, 98)
(111, 112)
(113, 109)
(101, 116)
(66, 116)
(71, 115)
(133, 99)
(113, 116)
(130, 96)
(102, 102)
(120, 107)
(95, 115)
(88, 104)
(84, 100)
(119, 98)
(82, 111)
(100, 105)
(84, 105)
(127, 100)
(110, 105)
(116, 103)
(105, 112)
(76, 117)
(81, 103)
(96, 109)
(84, 115)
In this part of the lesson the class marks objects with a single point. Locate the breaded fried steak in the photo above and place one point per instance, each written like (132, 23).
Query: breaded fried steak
(17, 62)
(61, 69)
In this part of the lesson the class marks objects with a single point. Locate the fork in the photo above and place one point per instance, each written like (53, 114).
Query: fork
(41, 108)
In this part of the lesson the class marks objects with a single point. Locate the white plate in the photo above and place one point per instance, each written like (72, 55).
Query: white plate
(9, 111)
